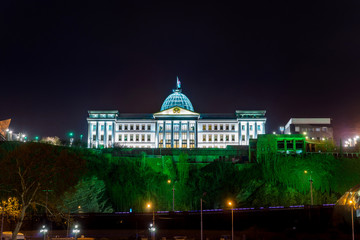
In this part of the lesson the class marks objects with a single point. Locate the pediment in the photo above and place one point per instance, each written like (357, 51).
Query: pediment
(176, 111)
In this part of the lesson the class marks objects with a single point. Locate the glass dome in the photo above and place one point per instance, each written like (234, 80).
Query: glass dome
(177, 99)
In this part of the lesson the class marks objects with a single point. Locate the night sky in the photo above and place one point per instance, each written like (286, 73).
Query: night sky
(292, 58)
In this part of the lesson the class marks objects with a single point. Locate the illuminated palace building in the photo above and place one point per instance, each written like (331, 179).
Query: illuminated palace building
(177, 125)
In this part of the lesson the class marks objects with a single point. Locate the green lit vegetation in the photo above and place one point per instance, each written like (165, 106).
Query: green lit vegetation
(117, 183)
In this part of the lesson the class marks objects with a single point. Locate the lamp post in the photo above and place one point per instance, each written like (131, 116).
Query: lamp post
(173, 190)
(44, 231)
(351, 204)
(311, 182)
(230, 204)
(76, 230)
(71, 136)
(152, 226)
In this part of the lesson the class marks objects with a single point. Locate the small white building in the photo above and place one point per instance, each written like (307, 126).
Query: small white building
(177, 125)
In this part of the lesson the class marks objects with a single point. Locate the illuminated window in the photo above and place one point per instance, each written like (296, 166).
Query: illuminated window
(120, 138)
(243, 127)
(192, 136)
(102, 127)
(210, 127)
(192, 126)
(318, 129)
(210, 138)
(168, 127)
(125, 137)
(232, 127)
(227, 138)
(137, 137)
(131, 138)
(183, 127)
(233, 138)
(204, 127)
(204, 138)
(183, 136)
(297, 129)
(176, 127)
(259, 127)
(120, 127)
(184, 144)
(143, 127)
(110, 127)
(176, 135)
(215, 137)
(242, 137)
(221, 138)
(148, 127)
(143, 137)
(94, 127)
(192, 144)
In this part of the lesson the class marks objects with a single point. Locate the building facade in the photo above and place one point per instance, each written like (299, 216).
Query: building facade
(313, 128)
(177, 125)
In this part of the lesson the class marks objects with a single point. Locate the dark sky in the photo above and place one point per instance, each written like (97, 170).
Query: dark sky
(292, 58)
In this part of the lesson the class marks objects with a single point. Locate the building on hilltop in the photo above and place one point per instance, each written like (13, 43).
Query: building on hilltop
(177, 125)
(313, 128)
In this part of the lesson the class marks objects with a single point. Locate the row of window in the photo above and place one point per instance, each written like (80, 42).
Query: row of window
(126, 137)
(318, 129)
(137, 127)
(209, 138)
(226, 127)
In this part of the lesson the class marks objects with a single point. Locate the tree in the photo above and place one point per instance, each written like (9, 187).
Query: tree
(33, 167)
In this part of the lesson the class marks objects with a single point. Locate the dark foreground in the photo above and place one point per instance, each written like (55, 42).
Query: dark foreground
(318, 222)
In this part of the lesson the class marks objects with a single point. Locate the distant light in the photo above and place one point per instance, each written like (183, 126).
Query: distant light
(7, 130)
(274, 132)
(305, 171)
(304, 133)
(169, 181)
(10, 132)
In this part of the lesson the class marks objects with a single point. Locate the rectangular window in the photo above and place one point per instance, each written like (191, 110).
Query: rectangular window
(131, 127)
(131, 138)
(137, 127)
(94, 137)
(184, 144)
(148, 138)
(183, 136)
(125, 137)
(297, 129)
(176, 127)
(102, 127)
(94, 127)
(210, 138)
(110, 127)
(204, 127)
(251, 137)
(168, 127)
(120, 137)
(221, 127)
(243, 127)
(324, 129)
(215, 127)
(120, 127)
(259, 127)
(192, 136)
(290, 144)
(221, 138)
(148, 127)
(251, 127)
(176, 135)
(204, 138)
(227, 127)
(227, 138)
(126, 127)
(242, 137)
(102, 138)
(143, 136)
(192, 126)
(210, 127)
(215, 137)
(318, 129)
(137, 137)
(233, 127)
(183, 127)
(299, 145)
(109, 137)
(143, 127)
(233, 138)
(281, 145)
(161, 128)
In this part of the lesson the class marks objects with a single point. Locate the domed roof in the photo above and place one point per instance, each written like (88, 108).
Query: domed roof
(177, 99)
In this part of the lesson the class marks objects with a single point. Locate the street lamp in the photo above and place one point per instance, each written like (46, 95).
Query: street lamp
(173, 190)
(311, 182)
(351, 204)
(76, 230)
(44, 231)
(230, 204)
(152, 226)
